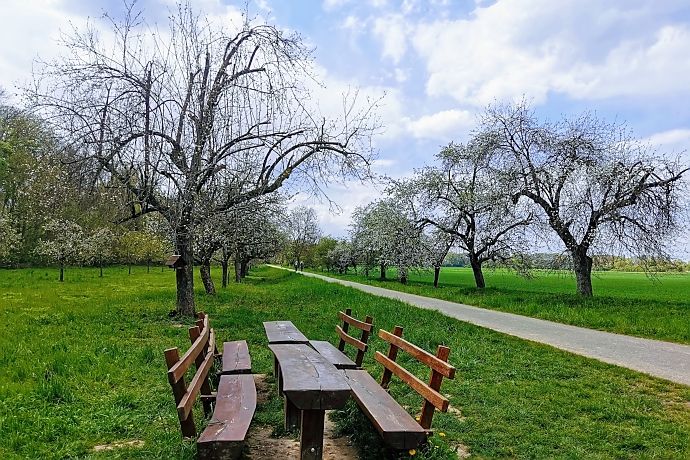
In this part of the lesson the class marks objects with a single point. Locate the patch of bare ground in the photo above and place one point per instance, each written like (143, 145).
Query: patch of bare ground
(262, 446)
(456, 412)
(262, 388)
(118, 445)
(462, 451)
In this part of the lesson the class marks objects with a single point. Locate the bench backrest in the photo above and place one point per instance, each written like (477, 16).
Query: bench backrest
(201, 354)
(439, 368)
(361, 343)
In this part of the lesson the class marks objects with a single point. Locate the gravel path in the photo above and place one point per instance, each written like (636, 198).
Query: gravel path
(666, 360)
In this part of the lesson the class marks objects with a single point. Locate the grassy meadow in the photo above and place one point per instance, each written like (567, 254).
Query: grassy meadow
(81, 364)
(624, 302)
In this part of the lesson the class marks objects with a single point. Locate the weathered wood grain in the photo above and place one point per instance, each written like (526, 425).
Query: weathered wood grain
(308, 379)
(279, 332)
(397, 428)
(332, 354)
(236, 358)
(224, 435)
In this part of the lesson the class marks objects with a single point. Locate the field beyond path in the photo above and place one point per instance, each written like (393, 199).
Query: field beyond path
(667, 360)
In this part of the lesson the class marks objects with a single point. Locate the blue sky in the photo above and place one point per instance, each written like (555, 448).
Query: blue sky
(440, 62)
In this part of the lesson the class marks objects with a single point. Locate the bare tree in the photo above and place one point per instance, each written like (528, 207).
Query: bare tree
(198, 111)
(464, 197)
(598, 187)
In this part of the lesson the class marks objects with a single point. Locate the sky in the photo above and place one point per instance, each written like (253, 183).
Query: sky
(438, 63)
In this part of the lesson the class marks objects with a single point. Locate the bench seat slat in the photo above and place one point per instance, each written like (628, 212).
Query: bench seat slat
(227, 429)
(397, 428)
(236, 358)
(332, 354)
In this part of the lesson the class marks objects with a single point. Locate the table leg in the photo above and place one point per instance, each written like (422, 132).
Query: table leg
(311, 437)
(292, 415)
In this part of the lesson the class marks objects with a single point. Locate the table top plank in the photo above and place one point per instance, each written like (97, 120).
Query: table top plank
(279, 332)
(310, 381)
(332, 354)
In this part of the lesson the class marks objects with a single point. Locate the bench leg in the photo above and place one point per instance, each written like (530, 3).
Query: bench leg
(311, 437)
(292, 415)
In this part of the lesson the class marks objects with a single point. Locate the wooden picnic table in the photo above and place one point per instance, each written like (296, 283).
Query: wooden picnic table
(311, 385)
(279, 332)
(283, 332)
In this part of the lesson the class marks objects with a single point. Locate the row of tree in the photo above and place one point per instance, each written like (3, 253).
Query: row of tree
(516, 185)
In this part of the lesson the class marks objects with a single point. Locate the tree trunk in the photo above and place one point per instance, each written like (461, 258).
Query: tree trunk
(402, 274)
(383, 272)
(148, 266)
(184, 276)
(205, 272)
(129, 269)
(62, 273)
(100, 266)
(244, 268)
(582, 264)
(437, 272)
(477, 270)
(224, 266)
(238, 271)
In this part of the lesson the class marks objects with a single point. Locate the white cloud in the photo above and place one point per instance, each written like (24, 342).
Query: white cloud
(29, 31)
(513, 48)
(333, 4)
(382, 164)
(391, 31)
(671, 143)
(673, 137)
(401, 75)
(445, 125)
(352, 23)
(347, 196)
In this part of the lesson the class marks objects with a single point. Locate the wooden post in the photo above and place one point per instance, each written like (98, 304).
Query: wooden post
(365, 338)
(436, 378)
(311, 437)
(292, 415)
(179, 388)
(392, 355)
(346, 326)
(194, 333)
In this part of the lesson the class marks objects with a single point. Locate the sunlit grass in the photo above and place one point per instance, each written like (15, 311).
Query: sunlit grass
(627, 303)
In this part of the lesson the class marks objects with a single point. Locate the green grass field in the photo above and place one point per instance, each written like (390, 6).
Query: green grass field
(81, 364)
(626, 303)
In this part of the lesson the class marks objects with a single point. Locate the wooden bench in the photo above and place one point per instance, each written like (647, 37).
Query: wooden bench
(336, 356)
(234, 400)
(395, 425)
